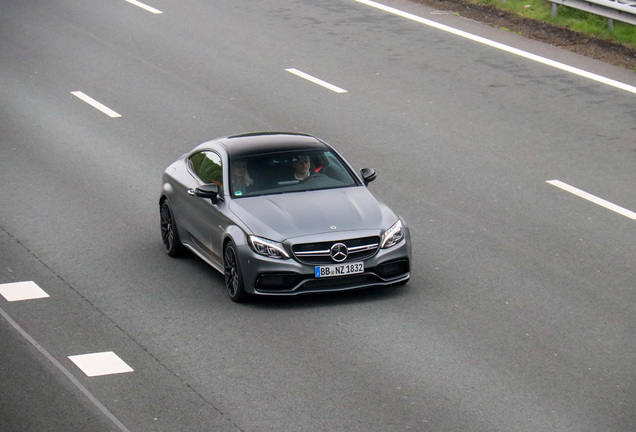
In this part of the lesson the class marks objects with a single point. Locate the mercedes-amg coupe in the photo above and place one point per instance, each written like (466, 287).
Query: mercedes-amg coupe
(281, 214)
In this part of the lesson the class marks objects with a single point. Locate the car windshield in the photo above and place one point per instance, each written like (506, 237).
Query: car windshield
(289, 171)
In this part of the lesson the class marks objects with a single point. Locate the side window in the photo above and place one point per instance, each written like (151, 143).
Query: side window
(208, 167)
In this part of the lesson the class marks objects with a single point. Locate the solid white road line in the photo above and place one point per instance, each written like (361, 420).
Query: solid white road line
(501, 46)
(144, 6)
(92, 102)
(596, 200)
(316, 80)
(65, 371)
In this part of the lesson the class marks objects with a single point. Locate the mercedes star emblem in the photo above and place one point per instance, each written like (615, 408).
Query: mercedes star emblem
(339, 252)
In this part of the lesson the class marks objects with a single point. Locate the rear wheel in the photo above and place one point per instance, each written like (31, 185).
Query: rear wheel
(233, 275)
(169, 234)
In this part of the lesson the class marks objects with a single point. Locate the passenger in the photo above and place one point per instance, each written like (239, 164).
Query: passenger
(241, 180)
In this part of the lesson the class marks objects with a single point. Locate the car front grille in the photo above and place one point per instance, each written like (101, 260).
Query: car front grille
(320, 253)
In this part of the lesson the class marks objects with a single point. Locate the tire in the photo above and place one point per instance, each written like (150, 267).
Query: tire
(233, 276)
(169, 234)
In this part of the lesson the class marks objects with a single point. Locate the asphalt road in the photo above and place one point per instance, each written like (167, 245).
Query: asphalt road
(520, 313)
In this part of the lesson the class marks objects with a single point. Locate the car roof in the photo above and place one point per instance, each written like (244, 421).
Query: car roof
(268, 142)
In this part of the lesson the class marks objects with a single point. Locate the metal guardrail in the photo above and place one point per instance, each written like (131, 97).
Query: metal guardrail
(620, 10)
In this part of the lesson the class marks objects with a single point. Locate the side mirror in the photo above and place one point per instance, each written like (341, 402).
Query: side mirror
(209, 190)
(368, 175)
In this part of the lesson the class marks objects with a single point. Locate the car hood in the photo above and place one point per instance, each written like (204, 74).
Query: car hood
(283, 216)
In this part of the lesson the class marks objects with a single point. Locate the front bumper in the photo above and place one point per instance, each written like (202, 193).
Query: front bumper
(275, 277)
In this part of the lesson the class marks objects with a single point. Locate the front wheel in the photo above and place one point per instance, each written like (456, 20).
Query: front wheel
(233, 275)
(169, 234)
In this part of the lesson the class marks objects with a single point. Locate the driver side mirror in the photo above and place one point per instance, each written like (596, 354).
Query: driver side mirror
(368, 175)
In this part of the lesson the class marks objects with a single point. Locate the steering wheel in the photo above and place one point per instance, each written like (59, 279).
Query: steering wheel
(313, 176)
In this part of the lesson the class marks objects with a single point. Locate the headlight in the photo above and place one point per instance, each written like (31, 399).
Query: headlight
(268, 248)
(393, 235)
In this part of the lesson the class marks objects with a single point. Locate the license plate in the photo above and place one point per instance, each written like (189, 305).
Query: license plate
(339, 269)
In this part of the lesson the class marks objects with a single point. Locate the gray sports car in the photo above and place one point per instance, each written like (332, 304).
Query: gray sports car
(281, 214)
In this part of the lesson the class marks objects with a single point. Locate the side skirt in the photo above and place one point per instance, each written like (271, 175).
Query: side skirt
(218, 267)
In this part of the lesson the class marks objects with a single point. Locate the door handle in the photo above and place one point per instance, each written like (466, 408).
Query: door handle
(191, 192)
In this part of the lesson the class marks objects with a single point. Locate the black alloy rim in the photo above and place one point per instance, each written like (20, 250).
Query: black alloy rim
(167, 227)
(231, 271)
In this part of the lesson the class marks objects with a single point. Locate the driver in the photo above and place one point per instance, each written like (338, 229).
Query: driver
(301, 167)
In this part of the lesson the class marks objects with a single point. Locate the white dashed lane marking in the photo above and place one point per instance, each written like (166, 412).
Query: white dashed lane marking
(98, 364)
(97, 105)
(18, 291)
(63, 370)
(144, 6)
(596, 200)
(315, 80)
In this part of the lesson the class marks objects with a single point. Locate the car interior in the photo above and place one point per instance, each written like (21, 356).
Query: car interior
(274, 172)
